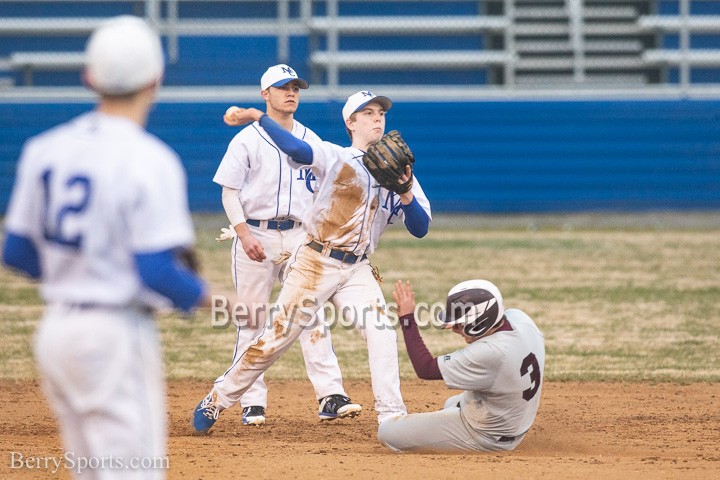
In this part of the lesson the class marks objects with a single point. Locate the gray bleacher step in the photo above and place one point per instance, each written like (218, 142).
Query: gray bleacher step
(403, 59)
(48, 26)
(613, 46)
(613, 29)
(47, 60)
(30, 62)
(537, 12)
(610, 12)
(221, 27)
(591, 46)
(408, 25)
(607, 79)
(541, 29)
(543, 46)
(695, 58)
(567, 63)
(695, 24)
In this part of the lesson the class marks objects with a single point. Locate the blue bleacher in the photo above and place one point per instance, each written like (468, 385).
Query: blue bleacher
(215, 60)
(371, 7)
(499, 156)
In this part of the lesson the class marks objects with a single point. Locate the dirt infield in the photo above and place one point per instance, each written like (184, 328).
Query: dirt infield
(583, 431)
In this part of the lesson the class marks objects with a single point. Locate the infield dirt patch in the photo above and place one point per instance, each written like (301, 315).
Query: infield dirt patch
(583, 431)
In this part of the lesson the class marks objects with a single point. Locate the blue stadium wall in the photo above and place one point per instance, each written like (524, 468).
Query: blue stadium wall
(491, 157)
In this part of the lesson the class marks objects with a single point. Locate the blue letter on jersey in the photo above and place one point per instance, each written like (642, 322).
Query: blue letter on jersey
(309, 177)
(392, 205)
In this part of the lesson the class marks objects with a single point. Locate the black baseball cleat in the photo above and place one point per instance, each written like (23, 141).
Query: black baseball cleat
(253, 415)
(338, 406)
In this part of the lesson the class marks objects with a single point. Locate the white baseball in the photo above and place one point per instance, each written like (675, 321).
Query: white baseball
(230, 114)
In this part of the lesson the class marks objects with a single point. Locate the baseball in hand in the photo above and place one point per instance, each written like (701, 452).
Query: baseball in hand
(229, 117)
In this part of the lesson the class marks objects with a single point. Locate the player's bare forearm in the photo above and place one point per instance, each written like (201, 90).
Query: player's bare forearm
(236, 116)
(252, 246)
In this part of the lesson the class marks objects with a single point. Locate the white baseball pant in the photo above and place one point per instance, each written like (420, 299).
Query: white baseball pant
(254, 283)
(101, 372)
(312, 279)
(441, 431)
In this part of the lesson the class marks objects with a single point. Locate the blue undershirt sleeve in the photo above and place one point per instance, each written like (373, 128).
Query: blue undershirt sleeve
(417, 220)
(298, 149)
(161, 272)
(20, 253)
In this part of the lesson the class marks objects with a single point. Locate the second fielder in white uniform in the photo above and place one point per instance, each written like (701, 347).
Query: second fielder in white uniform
(501, 371)
(344, 224)
(264, 199)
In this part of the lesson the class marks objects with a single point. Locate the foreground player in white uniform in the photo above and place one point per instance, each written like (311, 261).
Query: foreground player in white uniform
(264, 200)
(501, 371)
(344, 225)
(98, 214)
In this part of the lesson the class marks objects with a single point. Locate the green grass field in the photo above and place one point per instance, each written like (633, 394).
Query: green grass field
(615, 303)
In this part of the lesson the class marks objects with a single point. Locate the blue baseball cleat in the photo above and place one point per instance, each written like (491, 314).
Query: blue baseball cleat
(206, 413)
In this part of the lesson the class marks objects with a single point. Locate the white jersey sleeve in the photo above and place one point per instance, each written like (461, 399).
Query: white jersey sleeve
(161, 186)
(235, 164)
(25, 205)
(325, 154)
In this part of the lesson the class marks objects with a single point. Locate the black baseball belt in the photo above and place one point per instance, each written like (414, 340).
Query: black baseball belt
(273, 224)
(337, 254)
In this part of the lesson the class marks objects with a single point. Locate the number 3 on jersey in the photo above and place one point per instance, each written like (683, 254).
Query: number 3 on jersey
(62, 203)
(531, 361)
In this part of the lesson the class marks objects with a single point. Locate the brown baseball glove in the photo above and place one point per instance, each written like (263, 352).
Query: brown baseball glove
(387, 161)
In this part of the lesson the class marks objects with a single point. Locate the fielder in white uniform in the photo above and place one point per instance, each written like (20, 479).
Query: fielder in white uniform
(98, 215)
(501, 371)
(264, 200)
(344, 225)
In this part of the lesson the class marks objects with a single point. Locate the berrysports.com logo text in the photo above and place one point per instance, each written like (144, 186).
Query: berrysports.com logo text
(79, 464)
(377, 314)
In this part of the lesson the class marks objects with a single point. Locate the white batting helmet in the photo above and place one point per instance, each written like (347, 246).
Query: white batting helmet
(476, 304)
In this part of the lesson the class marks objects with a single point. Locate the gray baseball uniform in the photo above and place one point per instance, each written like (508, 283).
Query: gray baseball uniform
(502, 378)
